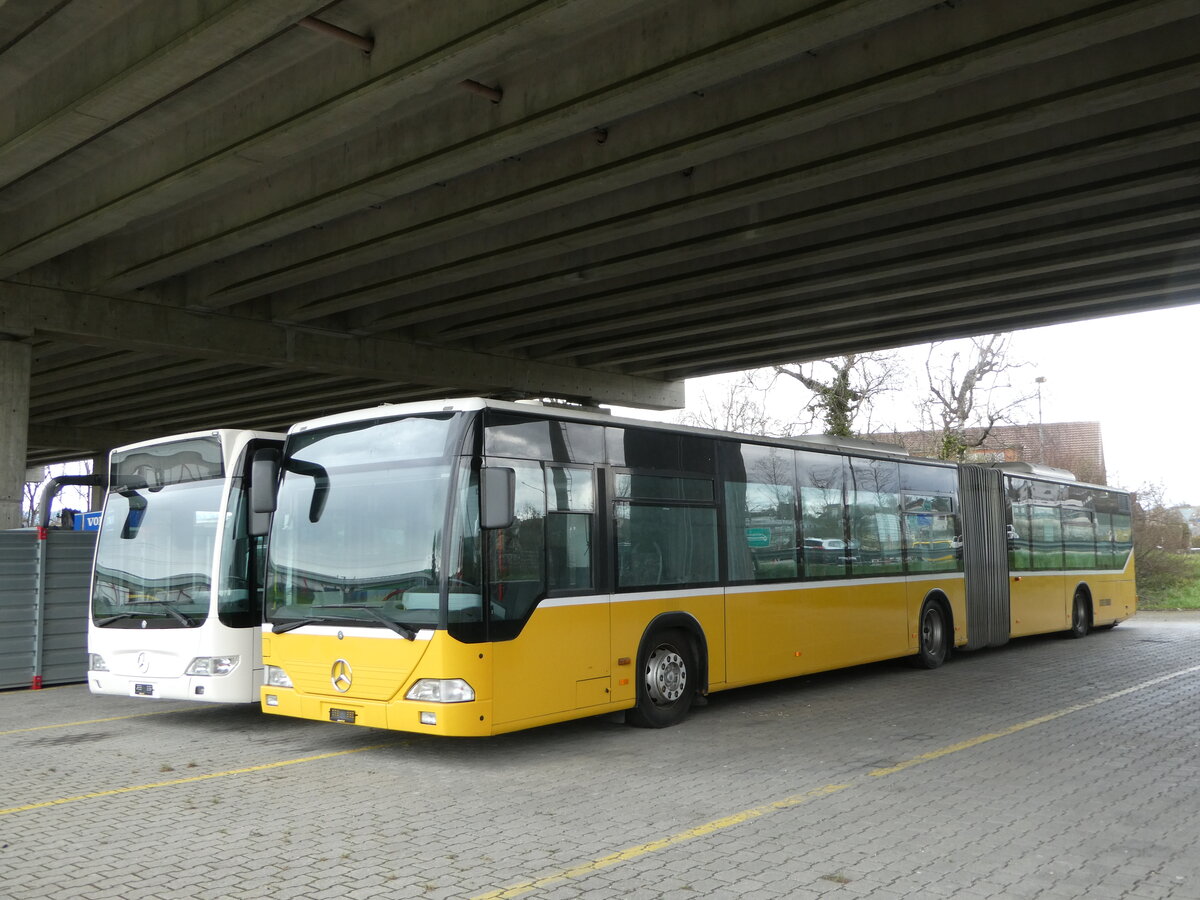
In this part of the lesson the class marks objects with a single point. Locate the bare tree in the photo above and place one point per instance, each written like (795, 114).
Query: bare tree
(966, 393)
(740, 407)
(849, 386)
(29, 494)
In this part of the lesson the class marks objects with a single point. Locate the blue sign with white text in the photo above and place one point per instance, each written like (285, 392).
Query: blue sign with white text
(88, 521)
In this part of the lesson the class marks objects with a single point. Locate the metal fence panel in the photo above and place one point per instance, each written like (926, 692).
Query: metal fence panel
(65, 598)
(18, 607)
(44, 606)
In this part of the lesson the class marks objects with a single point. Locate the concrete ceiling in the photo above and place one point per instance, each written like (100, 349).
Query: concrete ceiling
(221, 213)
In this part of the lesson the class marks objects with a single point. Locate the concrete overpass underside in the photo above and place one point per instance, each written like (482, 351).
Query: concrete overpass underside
(228, 213)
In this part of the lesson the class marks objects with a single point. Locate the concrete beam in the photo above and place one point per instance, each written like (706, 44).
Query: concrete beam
(164, 48)
(238, 138)
(912, 279)
(892, 212)
(766, 174)
(654, 144)
(840, 260)
(103, 321)
(1072, 299)
(657, 69)
(72, 441)
(568, 91)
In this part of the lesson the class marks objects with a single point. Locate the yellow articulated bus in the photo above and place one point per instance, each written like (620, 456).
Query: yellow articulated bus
(473, 567)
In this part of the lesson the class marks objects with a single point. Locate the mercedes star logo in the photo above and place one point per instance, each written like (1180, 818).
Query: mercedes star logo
(341, 676)
(143, 664)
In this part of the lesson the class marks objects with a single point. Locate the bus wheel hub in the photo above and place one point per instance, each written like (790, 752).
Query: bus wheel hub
(666, 675)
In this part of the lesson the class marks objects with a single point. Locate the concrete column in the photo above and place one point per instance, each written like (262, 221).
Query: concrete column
(15, 361)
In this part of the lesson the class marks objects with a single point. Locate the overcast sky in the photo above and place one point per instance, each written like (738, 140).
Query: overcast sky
(1138, 375)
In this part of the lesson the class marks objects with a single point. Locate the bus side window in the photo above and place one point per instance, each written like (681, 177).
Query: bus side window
(666, 530)
(823, 514)
(876, 545)
(569, 523)
(760, 512)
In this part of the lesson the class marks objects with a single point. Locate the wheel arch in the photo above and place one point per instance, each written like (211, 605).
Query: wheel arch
(689, 625)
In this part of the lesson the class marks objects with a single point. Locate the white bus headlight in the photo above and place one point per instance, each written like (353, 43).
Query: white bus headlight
(212, 665)
(276, 677)
(441, 690)
(96, 663)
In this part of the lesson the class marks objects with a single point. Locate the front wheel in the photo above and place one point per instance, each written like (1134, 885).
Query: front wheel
(667, 673)
(934, 637)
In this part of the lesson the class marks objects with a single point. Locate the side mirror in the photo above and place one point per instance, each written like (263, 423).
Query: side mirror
(497, 496)
(264, 474)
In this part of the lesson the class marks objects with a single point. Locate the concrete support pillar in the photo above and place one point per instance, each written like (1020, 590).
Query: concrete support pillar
(15, 361)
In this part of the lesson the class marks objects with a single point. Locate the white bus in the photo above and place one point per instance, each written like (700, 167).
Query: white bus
(176, 601)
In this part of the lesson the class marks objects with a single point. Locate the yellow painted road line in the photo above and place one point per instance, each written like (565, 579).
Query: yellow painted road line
(156, 712)
(190, 780)
(631, 853)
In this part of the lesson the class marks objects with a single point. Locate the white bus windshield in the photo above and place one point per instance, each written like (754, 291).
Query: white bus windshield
(154, 555)
(357, 533)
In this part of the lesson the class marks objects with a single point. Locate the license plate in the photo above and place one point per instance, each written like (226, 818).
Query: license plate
(342, 715)
(144, 690)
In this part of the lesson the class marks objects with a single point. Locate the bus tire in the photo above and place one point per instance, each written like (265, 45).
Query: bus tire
(933, 636)
(667, 676)
(1081, 616)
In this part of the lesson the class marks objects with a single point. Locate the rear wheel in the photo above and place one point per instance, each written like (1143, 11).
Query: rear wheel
(667, 672)
(1081, 616)
(933, 636)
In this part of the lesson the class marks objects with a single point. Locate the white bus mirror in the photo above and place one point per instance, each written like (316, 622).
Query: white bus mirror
(497, 496)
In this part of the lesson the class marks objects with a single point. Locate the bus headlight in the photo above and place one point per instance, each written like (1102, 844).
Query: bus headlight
(441, 690)
(96, 663)
(276, 677)
(212, 665)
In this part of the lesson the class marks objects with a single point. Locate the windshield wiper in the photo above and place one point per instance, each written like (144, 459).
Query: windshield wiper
(185, 620)
(188, 622)
(110, 619)
(281, 627)
(403, 630)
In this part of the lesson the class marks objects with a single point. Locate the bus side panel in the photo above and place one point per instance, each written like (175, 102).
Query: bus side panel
(765, 631)
(791, 631)
(1040, 603)
(560, 662)
(1114, 594)
(632, 614)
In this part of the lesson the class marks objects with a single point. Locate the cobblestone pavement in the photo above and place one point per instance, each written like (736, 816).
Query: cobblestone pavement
(1050, 768)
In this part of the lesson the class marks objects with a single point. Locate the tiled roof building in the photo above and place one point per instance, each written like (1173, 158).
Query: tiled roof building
(1075, 446)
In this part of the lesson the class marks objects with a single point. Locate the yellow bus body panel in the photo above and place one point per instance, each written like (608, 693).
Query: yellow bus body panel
(383, 667)
(1114, 595)
(1038, 603)
(559, 663)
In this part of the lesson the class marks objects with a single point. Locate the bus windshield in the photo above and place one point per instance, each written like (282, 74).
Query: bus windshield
(154, 554)
(357, 533)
